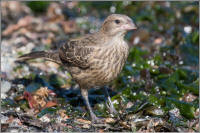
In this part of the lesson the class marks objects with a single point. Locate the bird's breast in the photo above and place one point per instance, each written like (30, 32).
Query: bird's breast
(108, 63)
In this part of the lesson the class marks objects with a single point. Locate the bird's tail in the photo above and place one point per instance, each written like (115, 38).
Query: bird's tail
(50, 56)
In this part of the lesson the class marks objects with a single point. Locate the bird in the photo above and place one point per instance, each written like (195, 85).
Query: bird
(94, 59)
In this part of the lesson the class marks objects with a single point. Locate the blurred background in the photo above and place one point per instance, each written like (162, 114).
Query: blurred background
(157, 90)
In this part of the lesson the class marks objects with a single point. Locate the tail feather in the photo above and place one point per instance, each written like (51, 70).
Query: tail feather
(50, 56)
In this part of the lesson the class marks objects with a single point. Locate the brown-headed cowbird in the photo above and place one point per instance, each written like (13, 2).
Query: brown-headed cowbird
(95, 59)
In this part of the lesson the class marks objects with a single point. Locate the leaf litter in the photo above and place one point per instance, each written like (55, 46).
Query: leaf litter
(157, 90)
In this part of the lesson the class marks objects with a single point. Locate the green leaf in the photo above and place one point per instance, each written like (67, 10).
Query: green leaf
(50, 110)
(194, 88)
(195, 38)
(186, 109)
(56, 80)
(38, 6)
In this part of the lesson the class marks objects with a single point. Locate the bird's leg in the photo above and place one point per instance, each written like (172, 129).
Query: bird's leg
(111, 106)
(84, 93)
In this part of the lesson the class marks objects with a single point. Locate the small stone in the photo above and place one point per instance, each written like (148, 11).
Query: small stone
(45, 118)
(87, 126)
(112, 9)
(3, 118)
(188, 29)
(18, 109)
(129, 104)
(13, 130)
(136, 40)
(3, 95)
(5, 86)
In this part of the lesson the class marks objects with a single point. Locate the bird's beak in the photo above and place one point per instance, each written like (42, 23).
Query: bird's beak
(133, 26)
(130, 26)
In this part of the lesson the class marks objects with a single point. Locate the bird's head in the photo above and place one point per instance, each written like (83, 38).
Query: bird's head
(117, 25)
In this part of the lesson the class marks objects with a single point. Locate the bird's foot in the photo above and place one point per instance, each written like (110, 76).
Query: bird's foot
(112, 109)
(97, 120)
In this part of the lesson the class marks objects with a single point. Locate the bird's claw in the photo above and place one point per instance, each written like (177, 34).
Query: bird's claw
(112, 109)
(97, 120)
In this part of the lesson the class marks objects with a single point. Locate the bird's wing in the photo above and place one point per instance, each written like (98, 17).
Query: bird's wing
(77, 52)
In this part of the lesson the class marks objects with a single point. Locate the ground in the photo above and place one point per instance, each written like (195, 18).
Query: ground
(156, 91)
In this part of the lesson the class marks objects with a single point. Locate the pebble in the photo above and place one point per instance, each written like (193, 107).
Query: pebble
(3, 95)
(13, 130)
(3, 118)
(5, 86)
(87, 126)
(18, 109)
(45, 118)
(188, 29)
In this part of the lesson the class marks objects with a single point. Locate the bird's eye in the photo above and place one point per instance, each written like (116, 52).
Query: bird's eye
(117, 21)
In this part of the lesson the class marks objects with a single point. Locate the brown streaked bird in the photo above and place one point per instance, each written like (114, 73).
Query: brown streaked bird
(95, 59)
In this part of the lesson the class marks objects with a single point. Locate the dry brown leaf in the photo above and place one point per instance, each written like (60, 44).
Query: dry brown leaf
(47, 41)
(52, 64)
(69, 126)
(38, 99)
(40, 96)
(110, 120)
(125, 124)
(50, 104)
(10, 119)
(18, 98)
(84, 121)
(62, 113)
(13, 9)
(158, 41)
(21, 23)
(69, 26)
(100, 130)
(43, 92)
(41, 101)
(54, 12)
(39, 65)
(188, 97)
(50, 37)
(32, 103)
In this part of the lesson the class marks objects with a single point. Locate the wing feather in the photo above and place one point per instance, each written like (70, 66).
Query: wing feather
(77, 52)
